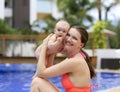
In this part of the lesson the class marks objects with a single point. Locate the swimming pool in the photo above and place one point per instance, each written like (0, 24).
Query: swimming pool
(17, 78)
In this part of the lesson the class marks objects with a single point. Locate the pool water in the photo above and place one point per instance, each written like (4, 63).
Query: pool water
(17, 78)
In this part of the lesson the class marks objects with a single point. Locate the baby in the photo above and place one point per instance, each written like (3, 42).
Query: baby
(55, 43)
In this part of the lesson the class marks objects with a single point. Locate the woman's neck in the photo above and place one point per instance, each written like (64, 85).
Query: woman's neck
(72, 54)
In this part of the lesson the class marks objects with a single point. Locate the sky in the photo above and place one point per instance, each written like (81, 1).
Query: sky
(113, 14)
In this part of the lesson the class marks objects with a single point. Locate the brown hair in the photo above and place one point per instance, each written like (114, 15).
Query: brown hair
(84, 39)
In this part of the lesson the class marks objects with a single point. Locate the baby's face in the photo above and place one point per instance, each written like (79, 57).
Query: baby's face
(61, 29)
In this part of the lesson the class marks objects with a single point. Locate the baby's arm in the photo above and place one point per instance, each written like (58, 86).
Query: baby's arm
(49, 59)
(49, 63)
(50, 46)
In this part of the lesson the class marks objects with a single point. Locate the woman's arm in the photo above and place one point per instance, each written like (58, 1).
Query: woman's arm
(50, 60)
(44, 60)
(41, 65)
(65, 66)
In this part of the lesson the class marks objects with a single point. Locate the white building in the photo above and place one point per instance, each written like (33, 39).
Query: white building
(16, 12)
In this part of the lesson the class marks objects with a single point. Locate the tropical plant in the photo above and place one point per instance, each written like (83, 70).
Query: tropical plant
(50, 21)
(99, 38)
(28, 30)
(75, 11)
(6, 29)
(115, 40)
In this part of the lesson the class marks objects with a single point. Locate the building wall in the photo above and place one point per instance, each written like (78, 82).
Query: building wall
(45, 7)
(21, 13)
(104, 54)
(33, 11)
(17, 12)
(2, 9)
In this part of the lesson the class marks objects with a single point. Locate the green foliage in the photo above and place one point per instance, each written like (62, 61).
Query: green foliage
(27, 31)
(5, 29)
(99, 38)
(75, 11)
(50, 24)
(115, 40)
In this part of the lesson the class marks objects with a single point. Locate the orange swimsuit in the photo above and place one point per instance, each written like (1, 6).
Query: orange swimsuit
(69, 87)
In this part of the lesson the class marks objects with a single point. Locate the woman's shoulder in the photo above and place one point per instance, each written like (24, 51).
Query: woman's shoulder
(73, 60)
(78, 59)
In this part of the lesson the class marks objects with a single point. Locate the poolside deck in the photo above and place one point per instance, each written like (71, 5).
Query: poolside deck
(108, 70)
(19, 60)
(114, 90)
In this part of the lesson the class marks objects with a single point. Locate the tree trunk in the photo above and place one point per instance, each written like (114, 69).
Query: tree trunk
(99, 9)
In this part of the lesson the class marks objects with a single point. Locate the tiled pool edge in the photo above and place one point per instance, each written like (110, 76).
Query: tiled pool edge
(107, 70)
(115, 89)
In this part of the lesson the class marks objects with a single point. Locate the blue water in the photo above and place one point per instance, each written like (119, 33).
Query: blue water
(17, 78)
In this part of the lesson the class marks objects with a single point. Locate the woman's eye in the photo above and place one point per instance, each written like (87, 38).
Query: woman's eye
(75, 38)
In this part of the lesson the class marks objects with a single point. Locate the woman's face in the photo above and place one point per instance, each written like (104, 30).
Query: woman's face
(73, 40)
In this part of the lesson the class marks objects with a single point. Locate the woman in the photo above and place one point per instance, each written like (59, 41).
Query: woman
(76, 69)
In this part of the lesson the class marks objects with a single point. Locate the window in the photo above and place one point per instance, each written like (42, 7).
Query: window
(8, 3)
(44, 6)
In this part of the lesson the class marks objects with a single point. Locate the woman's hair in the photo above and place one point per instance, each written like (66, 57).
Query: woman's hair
(84, 39)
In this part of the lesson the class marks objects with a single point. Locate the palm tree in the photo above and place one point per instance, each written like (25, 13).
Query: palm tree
(107, 8)
(75, 11)
(99, 9)
(51, 21)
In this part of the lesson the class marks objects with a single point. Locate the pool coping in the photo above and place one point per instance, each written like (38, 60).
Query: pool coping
(115, 89)
(107, 70)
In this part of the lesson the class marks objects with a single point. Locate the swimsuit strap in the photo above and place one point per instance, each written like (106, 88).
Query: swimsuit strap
(84, 56)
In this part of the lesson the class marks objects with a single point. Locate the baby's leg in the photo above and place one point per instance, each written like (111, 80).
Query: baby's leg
(42, 85)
